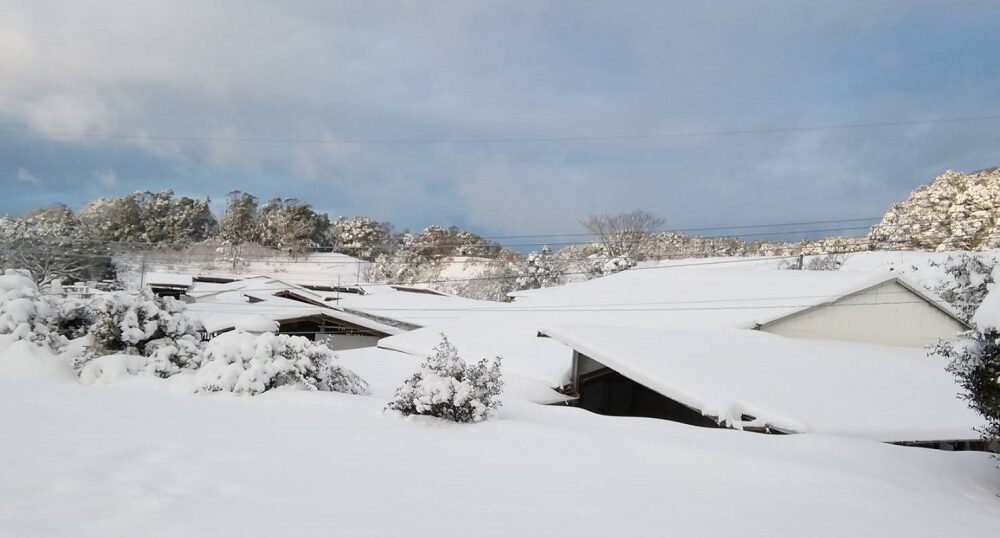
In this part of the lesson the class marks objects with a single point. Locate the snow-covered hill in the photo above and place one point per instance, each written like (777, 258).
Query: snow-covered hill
(956, 211)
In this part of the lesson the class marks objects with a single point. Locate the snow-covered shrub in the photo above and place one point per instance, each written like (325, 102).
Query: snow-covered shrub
(169, 355)
(246, 363)
(829, 262)
(601, 265)
(968, 280)
(540, 271)
(143, 324)
(446, 387)
(49, 320)
(975, 361)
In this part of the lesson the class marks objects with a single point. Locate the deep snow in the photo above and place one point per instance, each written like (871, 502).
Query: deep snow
(145, 457)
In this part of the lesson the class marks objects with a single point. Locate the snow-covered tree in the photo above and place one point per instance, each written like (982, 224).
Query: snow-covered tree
(361, 237)
(624, 235)
(291, 224)
(540, 271)
(975, 362)
(239, 221)
(49, 244)
(246, 363)
(148, 219)
(446, 387)
(116, 218)
(956, 211)
(493, 282)
(968, 280)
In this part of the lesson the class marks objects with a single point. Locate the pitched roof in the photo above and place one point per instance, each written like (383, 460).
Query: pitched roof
(700, 298)
(883, 393)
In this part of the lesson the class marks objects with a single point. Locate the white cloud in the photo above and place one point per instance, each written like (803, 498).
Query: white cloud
(26, 177)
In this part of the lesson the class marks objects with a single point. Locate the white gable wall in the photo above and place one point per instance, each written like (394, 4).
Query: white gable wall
(886, 314)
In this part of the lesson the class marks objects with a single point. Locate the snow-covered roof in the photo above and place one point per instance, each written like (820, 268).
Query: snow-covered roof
(679, 297)
(260, 288)
(884, 393)
(221, 316)
(168, 279)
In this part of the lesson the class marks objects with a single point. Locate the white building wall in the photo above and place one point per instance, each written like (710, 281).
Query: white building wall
(343, 342)
(887, 314)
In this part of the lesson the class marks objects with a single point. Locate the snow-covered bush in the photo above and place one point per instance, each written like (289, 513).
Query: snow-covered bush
(169, 355)
(968, 280)
(143, 324)
(540, 271)
(248, 363)
(829, 262)
(975, 361)
(446, 387)
(50, 320)
(601, 265)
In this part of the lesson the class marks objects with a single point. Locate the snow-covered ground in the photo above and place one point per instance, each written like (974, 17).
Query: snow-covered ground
(145, 457)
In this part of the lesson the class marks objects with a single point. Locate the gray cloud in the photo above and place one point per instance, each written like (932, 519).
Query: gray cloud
(164, 92)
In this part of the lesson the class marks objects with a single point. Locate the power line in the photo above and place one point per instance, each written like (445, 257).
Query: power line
(27, 133)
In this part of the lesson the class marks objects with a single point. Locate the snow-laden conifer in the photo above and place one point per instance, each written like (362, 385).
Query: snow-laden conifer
(446, 387)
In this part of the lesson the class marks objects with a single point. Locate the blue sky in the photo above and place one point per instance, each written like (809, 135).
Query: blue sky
(103, 98)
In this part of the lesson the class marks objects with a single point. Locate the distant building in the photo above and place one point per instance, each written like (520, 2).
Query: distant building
(879, 308)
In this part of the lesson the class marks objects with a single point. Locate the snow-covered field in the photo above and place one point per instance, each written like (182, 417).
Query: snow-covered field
(145, 457)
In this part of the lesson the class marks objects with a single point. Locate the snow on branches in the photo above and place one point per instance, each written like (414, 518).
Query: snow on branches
(968, 280)
(247, 363)
(26, 314)
(446, 387)
(975, 362)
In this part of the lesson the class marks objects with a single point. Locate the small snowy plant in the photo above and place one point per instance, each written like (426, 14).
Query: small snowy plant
(446, 387)
(146, 325)
(247, 363)
(975, 362)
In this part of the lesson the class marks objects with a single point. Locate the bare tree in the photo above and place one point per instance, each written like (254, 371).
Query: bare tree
(46, 260)
(624, 234)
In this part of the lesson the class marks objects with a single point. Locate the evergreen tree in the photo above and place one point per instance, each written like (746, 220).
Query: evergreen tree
(239, 221)
(446, 387)
(975, 362)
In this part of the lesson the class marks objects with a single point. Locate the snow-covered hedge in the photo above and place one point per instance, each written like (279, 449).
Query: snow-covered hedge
(446, 387)
(248, 363)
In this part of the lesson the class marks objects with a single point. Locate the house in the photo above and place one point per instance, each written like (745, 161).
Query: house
(879, 308)
(298, 311)
(768, 383)
(168, 284)
(339, 330)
